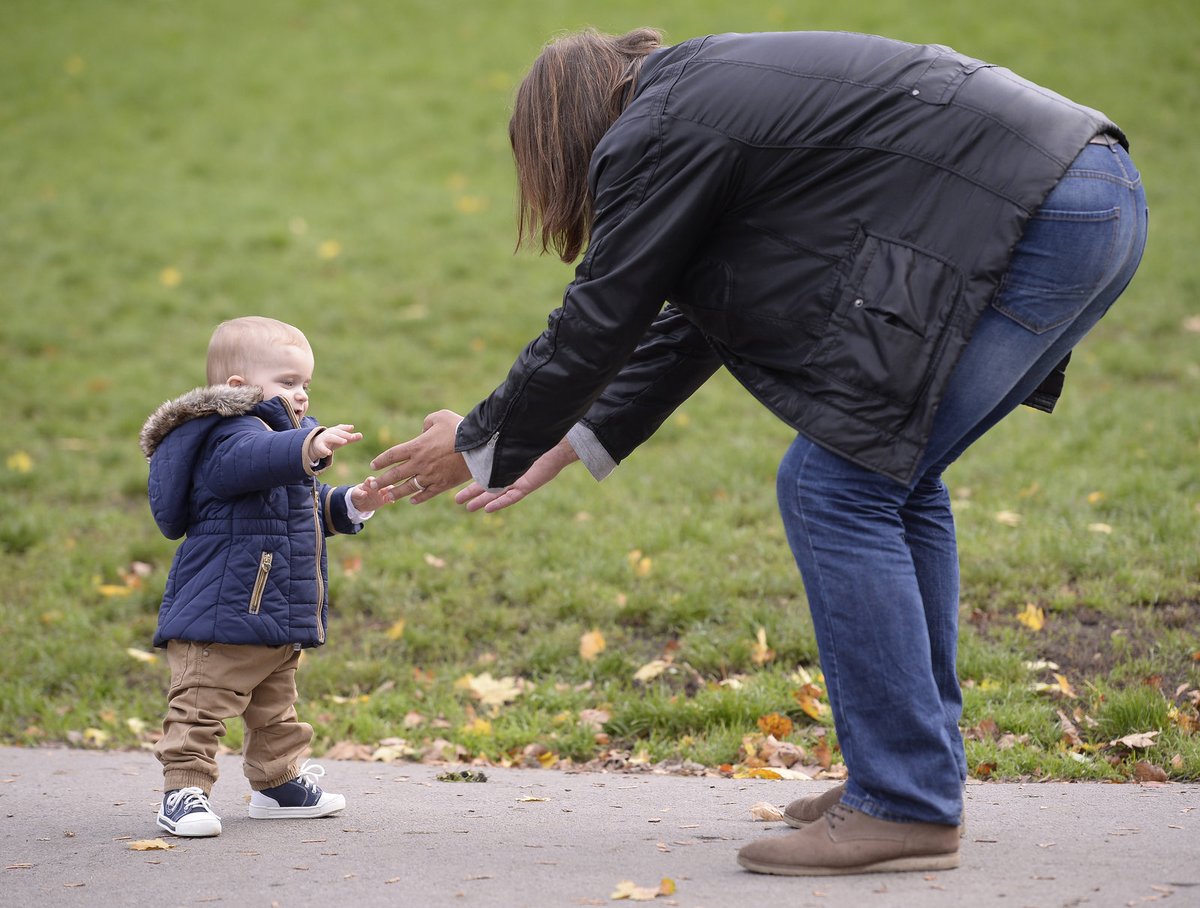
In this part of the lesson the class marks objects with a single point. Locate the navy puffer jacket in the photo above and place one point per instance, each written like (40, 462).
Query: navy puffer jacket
(234, 474)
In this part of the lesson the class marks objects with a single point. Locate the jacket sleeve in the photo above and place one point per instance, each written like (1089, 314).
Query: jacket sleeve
(335, 516)
(246, 456)
(671, 362)
(658, 186)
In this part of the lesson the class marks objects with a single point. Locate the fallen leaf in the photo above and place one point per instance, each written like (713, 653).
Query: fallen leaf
(329, 250)
(760, 653)
(150, 845)
(651, 670)
(766, 812)
(1100, 528)
(170, 277)
(141, 655)
(775, 724)
(627, 889)
(529, 800)
(1144, 739)
(591, 645)
(396, 631)
(1032, 617)
(1008, 518)
(1145, 771)
(434, 561)
(494, 692)
(594, 719)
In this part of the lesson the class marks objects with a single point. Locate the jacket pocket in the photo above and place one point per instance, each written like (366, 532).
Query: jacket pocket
(888, 317)
(260, 582)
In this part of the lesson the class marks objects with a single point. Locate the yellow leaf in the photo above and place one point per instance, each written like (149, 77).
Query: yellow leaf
(19, 462)
(760, 653)
(1064, 685)
(1032, 617)
(396, 631)
(95, 736)
(135, 725)
(75, 65)
(651, 670)
(1008, 518)
(548, 759)
(530, 800)
(141, 655)
(666, 886)
(480, 726)
(470, 204)
(628, 889)
(492, 691)
(1100, 528)
(760, 773)
(170, 276)
(150, 845)
(328, 250)
(113, 589)
(591, 645)
(1095, 497)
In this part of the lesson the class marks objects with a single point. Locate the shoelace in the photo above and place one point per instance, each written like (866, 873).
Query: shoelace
(837, 813)
(192, 798)
(310, 772)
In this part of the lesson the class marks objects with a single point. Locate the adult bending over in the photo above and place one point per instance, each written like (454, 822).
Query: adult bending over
(891, 246)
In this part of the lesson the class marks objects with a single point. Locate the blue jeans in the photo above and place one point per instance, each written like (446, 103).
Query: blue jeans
(879, 559)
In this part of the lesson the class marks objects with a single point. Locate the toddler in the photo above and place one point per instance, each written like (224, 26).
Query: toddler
(234, 468)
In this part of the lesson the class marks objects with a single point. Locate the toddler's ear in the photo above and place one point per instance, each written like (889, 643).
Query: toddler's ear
(235, 381)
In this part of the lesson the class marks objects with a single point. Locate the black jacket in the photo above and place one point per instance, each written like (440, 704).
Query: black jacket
(828, 215)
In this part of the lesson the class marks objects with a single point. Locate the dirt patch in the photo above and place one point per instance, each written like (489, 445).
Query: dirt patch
(1088, 644)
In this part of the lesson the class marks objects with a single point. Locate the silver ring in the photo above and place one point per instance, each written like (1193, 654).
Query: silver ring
(416, 485)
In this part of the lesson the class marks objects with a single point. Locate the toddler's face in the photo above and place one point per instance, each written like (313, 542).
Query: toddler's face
(284, 371)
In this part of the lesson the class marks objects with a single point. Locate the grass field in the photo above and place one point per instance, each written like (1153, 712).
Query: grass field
(344, 166)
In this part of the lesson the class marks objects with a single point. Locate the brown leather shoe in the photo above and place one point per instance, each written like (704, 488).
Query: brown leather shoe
(802, 811)
(848, 841)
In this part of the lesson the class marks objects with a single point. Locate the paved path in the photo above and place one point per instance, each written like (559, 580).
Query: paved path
(544, 838)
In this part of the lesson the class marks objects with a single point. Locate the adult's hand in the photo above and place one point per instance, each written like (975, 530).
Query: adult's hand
(543, 470)
(424, 467)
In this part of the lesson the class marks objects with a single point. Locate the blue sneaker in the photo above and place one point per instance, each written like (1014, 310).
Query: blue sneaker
(186, 812)
(298, 798)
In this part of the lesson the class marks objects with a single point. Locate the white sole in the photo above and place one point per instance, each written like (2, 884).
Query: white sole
(335, 804)
(205, 831)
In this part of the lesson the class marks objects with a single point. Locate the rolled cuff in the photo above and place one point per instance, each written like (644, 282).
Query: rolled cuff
(590, 451)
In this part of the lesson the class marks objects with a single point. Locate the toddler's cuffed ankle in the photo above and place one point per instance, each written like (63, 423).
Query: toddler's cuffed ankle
(174, 779)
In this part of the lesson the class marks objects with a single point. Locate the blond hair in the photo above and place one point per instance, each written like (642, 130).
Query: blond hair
(237, 344)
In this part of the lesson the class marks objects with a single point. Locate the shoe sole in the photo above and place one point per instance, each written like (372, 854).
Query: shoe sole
(335, 805)
(914, 862)
(800, 824)
(205, 831)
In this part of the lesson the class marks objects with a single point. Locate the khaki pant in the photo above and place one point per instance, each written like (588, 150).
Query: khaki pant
(212, 682)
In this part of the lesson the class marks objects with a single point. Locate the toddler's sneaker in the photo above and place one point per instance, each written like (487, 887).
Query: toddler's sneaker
(298, 798)
(186, 812)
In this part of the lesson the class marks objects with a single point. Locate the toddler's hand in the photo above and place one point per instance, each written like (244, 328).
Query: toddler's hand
(333, 438)
(368, 495)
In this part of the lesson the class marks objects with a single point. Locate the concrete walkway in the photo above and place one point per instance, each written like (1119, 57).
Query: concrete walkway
(545, 838)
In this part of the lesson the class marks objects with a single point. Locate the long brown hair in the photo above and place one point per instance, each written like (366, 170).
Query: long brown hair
(573, 93)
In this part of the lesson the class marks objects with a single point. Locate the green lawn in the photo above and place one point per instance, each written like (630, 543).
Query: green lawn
(344, 166)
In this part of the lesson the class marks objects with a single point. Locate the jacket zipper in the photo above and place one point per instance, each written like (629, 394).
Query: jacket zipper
(320, 544)
(260, 582)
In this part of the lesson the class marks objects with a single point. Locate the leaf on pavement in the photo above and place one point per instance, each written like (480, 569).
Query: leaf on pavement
(628, 889)
(766, 812)
(150, 845)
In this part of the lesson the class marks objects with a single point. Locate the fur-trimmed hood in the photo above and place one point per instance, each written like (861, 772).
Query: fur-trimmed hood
(214, 400)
